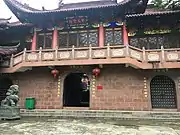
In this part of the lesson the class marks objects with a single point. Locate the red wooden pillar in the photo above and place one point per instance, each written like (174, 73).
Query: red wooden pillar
(55, 38)
(125, 35)
(34, 41)
(101, 35)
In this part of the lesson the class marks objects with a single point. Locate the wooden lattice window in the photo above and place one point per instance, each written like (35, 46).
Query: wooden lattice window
(155, 41)
(163, 92)
(78, 38)
(113, 36)
(44, 40)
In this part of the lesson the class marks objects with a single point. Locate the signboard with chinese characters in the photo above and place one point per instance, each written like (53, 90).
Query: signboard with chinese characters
(77, 21)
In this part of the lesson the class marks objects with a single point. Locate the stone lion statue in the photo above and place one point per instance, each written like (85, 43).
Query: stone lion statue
(12, 98)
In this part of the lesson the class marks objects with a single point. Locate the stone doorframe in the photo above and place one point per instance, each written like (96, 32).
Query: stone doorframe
(62, 76)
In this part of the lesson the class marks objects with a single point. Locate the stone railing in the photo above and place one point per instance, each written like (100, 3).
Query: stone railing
(89, 53)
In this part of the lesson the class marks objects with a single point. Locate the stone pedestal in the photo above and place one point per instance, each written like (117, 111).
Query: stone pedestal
(9, 113)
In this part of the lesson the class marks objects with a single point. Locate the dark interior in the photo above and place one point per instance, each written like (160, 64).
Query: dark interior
(5, 83)
(73, 95)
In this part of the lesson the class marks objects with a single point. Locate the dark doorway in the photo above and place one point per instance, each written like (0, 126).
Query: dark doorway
(163, 92)
(5, 83)
(76, 90)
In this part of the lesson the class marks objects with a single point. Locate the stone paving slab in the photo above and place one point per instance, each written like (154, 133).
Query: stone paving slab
(49, 126)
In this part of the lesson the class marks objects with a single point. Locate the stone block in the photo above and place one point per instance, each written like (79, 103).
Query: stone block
(9, 113)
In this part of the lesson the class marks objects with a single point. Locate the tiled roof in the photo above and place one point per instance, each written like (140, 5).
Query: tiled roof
(67, 7)
(154, 13)
(28, 14)
(6, 23)
(18, 24)
(14, 5)
(7, 50)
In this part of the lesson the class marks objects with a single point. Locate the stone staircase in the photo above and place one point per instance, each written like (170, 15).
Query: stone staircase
(101, 114)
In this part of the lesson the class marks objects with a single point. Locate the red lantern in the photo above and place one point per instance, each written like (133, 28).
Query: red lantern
(55, 72)
(96, 71)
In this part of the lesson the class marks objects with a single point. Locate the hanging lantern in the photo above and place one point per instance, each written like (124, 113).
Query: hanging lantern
(55, 72)
(96, 71)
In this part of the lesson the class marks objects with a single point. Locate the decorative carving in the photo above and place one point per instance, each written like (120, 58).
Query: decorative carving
(93, 38)
(64, 55)
(32, 57)
(48, 56)
(9, 106)
(153, 57)
(11, 97)
(99, 53)
(117, 52)
(81, 54)
(172, 56)
(135, 54)
(59, 86)
(17, 60)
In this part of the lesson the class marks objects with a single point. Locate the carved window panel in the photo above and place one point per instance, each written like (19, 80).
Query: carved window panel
(152, 42)
(73, 38)
(113, 36)
(78, 38)
(109, 37)
(48, 41)
(118, 37)
(45, 40)
(134, 42)
(143, 42)
(40, 41)
(93, 38)
(160, 42)
(63, 39)
(83, 39)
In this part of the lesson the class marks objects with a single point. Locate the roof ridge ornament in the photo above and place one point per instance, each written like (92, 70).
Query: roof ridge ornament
(60, 4)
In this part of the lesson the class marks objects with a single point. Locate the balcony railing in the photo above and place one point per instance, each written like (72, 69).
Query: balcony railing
(89, 53)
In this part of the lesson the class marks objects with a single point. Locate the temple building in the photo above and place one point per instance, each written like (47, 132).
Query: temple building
(98, 55)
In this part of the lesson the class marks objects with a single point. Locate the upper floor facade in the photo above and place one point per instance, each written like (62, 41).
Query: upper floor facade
(142, 41)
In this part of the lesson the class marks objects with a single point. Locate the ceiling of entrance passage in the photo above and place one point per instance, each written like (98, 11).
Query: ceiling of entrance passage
(38, 4)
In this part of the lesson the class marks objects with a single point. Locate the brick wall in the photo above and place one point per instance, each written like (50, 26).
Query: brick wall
(122, 89)
(40, 84)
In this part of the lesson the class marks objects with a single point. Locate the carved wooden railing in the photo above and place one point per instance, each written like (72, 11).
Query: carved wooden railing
(89, 53)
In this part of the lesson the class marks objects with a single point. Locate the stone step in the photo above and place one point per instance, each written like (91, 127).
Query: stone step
(100, 114)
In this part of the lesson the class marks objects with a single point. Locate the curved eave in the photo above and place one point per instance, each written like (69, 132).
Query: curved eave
(23, 12)
(8, 26)
(8, 50)
(153, 14)
(20, 25)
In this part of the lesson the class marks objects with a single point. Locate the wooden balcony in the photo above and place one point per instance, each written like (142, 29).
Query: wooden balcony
(137, 58)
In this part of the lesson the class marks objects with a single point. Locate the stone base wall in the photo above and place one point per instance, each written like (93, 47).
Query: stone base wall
(40, 84)
(124, 88)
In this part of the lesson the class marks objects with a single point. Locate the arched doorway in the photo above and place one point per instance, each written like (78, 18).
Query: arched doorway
(163, 92)
(5, 83)
(76, 90)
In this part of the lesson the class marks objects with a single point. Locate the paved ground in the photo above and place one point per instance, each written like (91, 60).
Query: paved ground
(47, 126)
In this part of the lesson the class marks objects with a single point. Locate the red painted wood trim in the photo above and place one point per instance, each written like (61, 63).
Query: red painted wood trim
(34, 41)
(55, 39)
(101, 35)
(125, 35)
